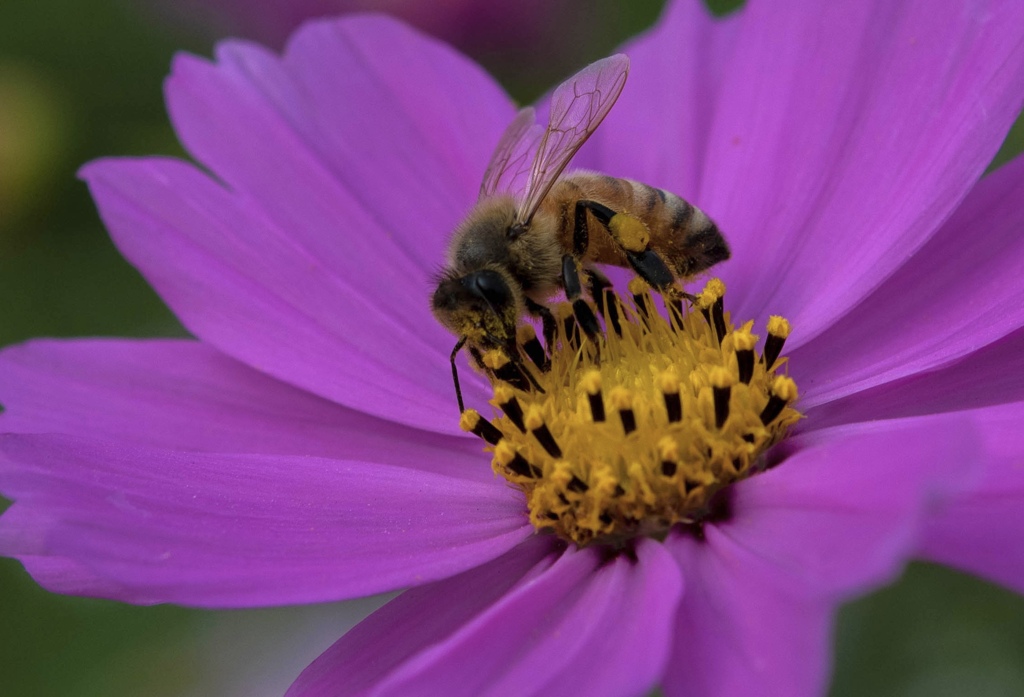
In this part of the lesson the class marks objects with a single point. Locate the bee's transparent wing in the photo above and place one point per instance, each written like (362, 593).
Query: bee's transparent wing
(578, 106)
(509, 168)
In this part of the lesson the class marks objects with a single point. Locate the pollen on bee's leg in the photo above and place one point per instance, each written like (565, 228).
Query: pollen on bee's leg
(783, 391)
(591, 386)
(622, 400)
(508, 403)
(778, 332)
(472, 422)
(721, 384)
(527, 338)
(630, 232)
(535, 423)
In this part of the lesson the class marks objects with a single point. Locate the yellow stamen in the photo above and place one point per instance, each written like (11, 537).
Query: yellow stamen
(713, 291)
(690, 410)
(778, 326)
(778, 332)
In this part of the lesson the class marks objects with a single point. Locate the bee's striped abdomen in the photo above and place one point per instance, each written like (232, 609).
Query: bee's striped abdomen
(686, 238)
(684, 235)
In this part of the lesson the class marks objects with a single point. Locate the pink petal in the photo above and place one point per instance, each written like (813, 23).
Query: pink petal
(964, 289)
(252, 291)
(243, 530)
(365, 144)
(844, 510)
(982, 530)
(411, 623)
(183, 395)
(676, 69)
(578, 626)
(991, 375)
(23, 532)
(360, 151)
(834, 519)
(363, 116)
(744, 628)
(841, 136)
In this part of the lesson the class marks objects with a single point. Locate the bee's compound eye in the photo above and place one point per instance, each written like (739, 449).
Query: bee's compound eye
(489, 286)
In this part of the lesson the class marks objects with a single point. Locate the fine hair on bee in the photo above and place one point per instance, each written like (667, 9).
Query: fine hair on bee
(535, 231)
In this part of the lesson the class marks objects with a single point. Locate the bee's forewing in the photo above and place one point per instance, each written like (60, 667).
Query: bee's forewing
(509, 168)
(578, 106)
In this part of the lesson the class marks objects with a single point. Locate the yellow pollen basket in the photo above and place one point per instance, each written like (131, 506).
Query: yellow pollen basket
(636, 432)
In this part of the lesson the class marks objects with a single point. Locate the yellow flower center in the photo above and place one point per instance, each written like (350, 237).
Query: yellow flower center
(638, 431)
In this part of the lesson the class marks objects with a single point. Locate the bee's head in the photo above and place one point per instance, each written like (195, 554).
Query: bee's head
(482, 239)
(481, 306)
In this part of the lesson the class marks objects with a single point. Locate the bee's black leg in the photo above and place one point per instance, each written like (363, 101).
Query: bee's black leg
(573, 292)
(478, 358)
(647, 263)
(604, 296)
(547, 320)
(455, 373)
(571, 279)
(580, 234)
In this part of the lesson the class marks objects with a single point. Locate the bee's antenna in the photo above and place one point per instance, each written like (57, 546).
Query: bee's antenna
(455, 373)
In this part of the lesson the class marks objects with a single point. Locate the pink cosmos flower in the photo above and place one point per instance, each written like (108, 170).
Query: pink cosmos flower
(305, 448)
(476, 24)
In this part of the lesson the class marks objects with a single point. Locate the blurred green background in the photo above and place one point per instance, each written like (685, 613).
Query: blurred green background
(80, 80)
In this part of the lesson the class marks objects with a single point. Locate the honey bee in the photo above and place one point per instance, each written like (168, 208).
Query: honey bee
(534, 232)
